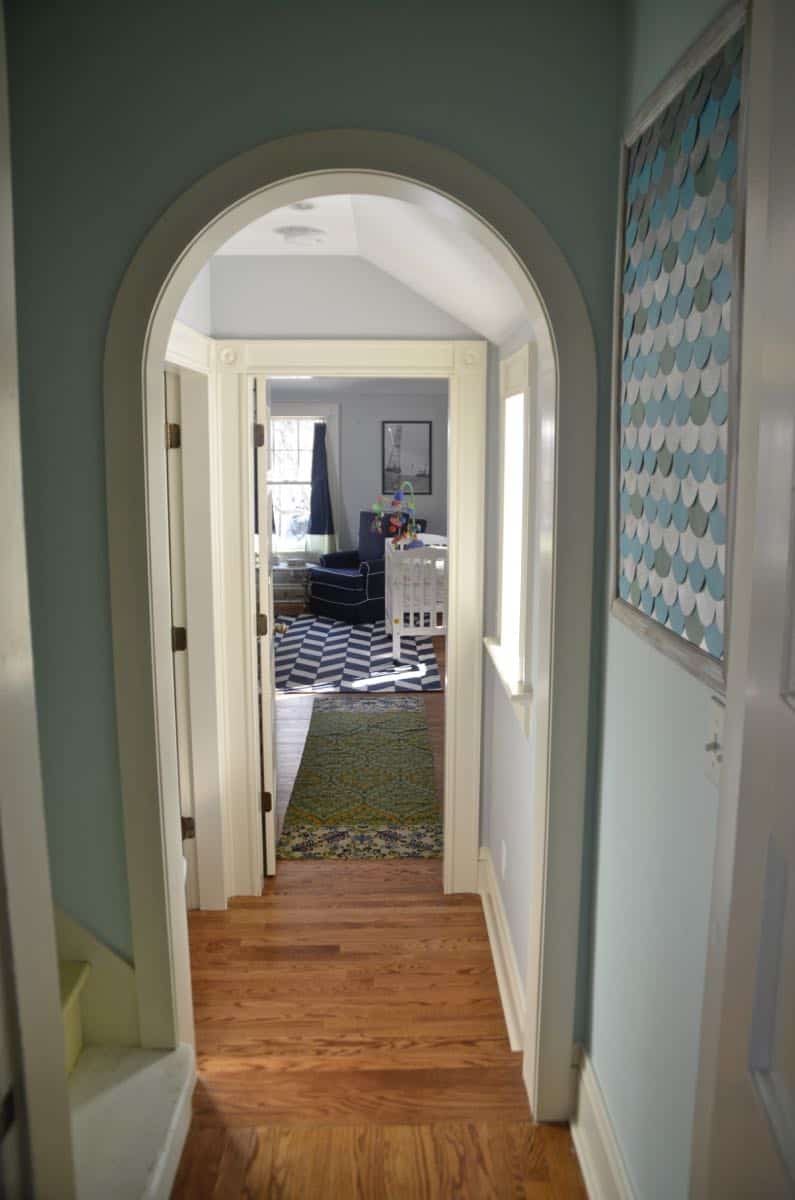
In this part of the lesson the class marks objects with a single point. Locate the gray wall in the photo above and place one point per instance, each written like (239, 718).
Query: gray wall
(89, 86)
(324, 296)
(363, 405)
(196, 309)
(656, 827)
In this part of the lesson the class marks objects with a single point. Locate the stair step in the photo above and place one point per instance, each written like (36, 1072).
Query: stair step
(72, 976)
(130, 1114)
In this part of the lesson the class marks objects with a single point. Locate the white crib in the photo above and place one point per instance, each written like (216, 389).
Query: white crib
(416, 590)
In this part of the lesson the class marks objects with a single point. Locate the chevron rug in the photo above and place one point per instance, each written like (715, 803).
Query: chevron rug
(365, 786)
(316, 654)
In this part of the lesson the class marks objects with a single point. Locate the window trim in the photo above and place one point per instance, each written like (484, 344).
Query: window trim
(301, 409)
(513, 668)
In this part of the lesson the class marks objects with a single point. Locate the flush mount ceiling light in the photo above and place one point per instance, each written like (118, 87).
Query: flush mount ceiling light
(301, 235)
(303, 205)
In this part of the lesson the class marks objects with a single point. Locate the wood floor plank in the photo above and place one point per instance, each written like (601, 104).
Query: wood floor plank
(351, 1043)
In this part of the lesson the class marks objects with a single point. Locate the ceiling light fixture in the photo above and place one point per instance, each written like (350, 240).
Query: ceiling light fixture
(303, 205)
(301, 235)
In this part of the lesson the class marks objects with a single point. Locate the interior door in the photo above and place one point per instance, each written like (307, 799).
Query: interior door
(752, 1140)
(266, 675)
(179, 620)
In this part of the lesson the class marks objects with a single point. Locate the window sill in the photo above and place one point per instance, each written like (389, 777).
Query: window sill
(519, 694)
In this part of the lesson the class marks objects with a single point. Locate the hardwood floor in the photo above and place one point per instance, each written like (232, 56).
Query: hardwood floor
(293, 714)
(351, 1043)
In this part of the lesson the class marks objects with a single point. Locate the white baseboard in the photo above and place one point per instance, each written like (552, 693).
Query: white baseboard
(601, 1161)
(502, 951)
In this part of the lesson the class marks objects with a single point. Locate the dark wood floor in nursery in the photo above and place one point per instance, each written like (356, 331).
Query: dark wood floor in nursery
(351, 1043)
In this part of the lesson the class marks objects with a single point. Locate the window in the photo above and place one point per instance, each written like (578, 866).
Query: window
(290, 480)
(509, 650)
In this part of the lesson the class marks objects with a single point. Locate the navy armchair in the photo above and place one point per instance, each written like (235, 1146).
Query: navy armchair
(349, 585)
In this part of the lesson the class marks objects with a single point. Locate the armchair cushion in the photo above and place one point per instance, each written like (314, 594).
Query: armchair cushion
(340, 560)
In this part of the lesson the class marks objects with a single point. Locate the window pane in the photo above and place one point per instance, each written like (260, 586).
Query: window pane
(512, 521)
(291, 512)
(285, 465)
(304, 466)
(284, 433)
(306, 434)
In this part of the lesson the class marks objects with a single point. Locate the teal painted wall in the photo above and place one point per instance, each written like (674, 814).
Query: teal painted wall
(655, 825)
(116, 109)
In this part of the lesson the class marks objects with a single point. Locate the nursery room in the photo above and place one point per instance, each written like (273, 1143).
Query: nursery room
(358, 487)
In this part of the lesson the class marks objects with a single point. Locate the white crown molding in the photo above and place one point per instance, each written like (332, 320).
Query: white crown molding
(190, 349)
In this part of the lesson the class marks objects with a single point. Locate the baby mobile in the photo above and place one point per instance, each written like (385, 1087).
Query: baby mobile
(397, 518)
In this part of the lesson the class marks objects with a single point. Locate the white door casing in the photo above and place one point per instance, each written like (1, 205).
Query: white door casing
(39, 1142)
(242, 189)
(744, 1134)
(264, 613)
(176, 530)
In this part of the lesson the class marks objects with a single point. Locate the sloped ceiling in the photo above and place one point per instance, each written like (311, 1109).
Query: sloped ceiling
(420, 249)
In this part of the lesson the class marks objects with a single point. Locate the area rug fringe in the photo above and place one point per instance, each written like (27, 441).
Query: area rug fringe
(335, 842)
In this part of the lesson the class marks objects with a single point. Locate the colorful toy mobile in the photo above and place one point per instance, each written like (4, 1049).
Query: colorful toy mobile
(397, 518)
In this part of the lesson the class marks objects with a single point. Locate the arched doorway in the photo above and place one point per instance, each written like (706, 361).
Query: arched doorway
(203, 218)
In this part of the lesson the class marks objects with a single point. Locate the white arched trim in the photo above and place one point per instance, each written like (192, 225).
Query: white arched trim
(204, 217)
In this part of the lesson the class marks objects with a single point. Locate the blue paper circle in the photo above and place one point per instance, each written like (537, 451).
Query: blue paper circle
(717, 526)
(676, 618)
(714, 639)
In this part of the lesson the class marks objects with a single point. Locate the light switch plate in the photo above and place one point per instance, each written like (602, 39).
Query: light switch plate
(713, 748)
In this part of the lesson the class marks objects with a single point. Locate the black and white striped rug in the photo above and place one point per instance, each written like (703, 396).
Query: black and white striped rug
(316, 654)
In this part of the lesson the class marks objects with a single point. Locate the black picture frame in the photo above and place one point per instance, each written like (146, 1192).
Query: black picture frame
(393, 471)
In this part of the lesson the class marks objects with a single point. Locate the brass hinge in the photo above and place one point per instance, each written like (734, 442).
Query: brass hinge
(262, 624)
(188, 828)
(259, 435)
(267, 802)
(179, 638)
(173, 436)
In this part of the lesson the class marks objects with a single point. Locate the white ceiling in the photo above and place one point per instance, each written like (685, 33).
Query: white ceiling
(419, 248)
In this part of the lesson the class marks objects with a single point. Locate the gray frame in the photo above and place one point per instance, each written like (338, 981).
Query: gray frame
(387, 489)
(695, 660)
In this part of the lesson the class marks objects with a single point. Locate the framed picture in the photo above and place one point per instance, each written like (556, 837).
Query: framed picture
(406, 455)
(676, 353)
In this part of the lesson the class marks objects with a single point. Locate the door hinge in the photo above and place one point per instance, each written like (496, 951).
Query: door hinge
(188, 828)
(179, 638)
(267, 802)
(173, 436)
(259, 435)
(262, 624)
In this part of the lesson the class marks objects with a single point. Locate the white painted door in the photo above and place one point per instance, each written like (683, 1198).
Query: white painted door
(179, 619)
(752, 1139)
(263, 524)
(195, 612)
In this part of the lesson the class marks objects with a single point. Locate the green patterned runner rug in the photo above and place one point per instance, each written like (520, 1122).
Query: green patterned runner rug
(365, 786)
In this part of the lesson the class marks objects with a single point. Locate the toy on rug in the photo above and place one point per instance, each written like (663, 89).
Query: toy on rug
(396, 518)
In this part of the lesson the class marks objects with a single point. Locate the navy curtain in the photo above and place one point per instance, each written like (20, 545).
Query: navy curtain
(321, 519)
